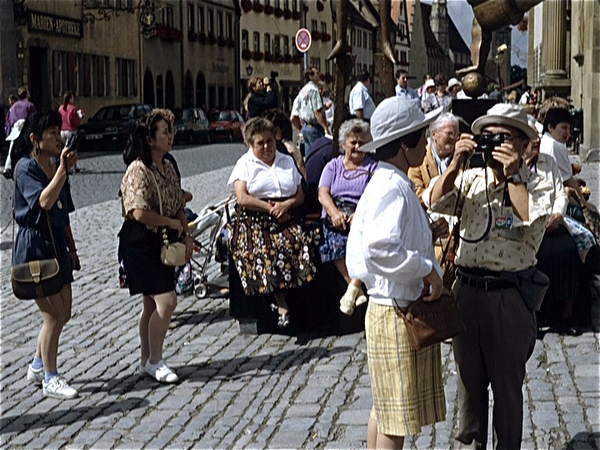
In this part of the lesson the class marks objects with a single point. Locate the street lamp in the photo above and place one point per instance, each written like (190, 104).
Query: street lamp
(249, 70)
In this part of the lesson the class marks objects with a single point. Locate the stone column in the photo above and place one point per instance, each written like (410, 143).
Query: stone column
(555, 39)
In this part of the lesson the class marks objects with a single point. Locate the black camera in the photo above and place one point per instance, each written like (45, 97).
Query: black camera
(485, 146)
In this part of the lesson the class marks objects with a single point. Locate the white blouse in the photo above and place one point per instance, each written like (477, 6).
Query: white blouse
(280, 180)
(390, 244)
(559, 152)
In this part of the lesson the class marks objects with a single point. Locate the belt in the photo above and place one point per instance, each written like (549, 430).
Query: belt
(483, 283)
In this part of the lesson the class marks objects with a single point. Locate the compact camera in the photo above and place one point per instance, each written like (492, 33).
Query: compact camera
(485, 146)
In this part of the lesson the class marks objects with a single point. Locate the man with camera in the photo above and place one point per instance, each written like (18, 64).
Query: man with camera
(503, 211)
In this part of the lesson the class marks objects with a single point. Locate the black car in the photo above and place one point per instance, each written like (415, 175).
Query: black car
(109, 128)
(192, 126)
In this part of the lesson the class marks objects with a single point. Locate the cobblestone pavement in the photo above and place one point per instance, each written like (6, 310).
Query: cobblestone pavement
(237, 391)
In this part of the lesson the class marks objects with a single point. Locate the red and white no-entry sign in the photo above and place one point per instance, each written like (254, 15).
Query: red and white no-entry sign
(303, 40)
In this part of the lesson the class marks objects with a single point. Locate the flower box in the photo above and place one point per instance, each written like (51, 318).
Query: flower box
(269, 9)
(221, 41)
(278, 58)
(326, 37)
(287, 14)
(230, 42)
(279, 12)
(268, 57)
(211, 38)
(169, 34)
(202, 38)
(287, 58)
(192, 36)
(322, 77)
(257, 7)
(296, 15)
(246, 54)
(258, 56)
(298, 59)
(316, 35)
(320, 6)
(246, 5)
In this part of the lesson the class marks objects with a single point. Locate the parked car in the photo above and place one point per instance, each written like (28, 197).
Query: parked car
(109, 128)
(226, 125)
(192, 126)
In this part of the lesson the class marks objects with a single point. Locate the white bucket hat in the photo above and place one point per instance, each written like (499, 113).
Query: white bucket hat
(453, 82)
(429, 83)
(508, 115)
(396, 117)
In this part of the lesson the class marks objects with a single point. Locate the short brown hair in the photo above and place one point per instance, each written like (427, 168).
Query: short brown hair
(257, 125)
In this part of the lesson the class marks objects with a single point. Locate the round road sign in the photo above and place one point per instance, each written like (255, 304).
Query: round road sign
(303, 40)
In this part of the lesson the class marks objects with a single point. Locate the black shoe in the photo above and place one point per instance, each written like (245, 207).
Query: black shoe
(7, 174)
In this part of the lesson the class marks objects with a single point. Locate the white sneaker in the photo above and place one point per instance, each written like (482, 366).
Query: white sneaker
(58, 387)
(347, 301)
(35, 375)
(362, 298)
(161, 372)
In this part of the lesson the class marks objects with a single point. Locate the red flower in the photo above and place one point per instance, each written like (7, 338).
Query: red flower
(246, 54)
(258, 56)
(246, 5)
(257, 7)
(269, 9)
(326, 37)
(316, 35)
(296, 15)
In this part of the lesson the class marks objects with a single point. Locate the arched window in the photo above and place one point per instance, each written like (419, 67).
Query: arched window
(159, 92)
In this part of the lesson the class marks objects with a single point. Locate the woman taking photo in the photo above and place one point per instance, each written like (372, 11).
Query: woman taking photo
(149, 182)
(343, 181)
(271, 251)
(42, 202)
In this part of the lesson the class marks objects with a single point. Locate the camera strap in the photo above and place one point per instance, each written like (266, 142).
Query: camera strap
(489, 208)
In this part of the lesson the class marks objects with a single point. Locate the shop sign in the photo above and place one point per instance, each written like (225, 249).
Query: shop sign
(220, 68)
(56, 25)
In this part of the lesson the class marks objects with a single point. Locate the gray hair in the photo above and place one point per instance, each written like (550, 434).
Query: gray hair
(441, 121)
(354, 127)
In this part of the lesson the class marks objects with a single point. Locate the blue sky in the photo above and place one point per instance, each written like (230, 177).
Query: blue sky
(462, 15)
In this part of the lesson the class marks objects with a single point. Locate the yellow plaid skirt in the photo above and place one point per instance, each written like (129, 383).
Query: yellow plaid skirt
(407, 386)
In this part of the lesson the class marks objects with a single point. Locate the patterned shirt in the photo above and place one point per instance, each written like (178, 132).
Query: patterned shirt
(503, 249)
(435, 100)
(139, 189)
(307, 102)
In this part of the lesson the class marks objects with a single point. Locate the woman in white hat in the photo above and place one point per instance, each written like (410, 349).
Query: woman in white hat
(390, 248)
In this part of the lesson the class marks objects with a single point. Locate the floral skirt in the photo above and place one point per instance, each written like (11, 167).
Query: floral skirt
(270, 256)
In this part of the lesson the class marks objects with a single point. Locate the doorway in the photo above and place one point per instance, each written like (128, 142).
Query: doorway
(39, 79)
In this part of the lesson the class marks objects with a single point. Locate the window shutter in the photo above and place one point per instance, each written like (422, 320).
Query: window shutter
(71, 84)
(55, 75)
(101, 79)
(87, 70)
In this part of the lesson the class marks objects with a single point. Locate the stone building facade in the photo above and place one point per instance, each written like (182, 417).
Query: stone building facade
(564, 58)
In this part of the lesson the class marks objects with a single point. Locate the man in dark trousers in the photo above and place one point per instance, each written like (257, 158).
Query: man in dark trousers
(505, 210)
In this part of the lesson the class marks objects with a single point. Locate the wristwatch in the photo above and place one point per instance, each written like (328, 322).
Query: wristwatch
(516, 178)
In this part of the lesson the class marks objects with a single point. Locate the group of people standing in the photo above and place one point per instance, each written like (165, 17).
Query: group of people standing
(380, 238)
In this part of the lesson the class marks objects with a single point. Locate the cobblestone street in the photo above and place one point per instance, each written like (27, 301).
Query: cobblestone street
(236, 391)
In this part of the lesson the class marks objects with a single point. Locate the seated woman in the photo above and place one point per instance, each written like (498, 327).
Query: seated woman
(345, 179)
(270, 249)
(152, 202)
(566, 247)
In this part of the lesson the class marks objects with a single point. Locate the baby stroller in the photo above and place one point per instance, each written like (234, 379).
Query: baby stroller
(206, 230)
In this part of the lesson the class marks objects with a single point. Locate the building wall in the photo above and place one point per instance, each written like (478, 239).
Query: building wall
(418, 49)
(209, 72)
(97, 60)
(278, 31)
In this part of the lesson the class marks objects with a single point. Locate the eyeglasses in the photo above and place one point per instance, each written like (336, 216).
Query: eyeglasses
(507, 137)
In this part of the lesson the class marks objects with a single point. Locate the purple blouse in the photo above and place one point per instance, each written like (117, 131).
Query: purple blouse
(347, 184)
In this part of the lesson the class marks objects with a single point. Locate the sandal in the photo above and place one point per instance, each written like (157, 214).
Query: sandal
(284, 321)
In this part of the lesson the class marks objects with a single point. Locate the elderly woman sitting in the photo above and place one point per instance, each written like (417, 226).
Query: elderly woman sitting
(342, 183)
(270, 249)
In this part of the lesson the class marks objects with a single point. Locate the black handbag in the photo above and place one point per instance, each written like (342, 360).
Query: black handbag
(344, 206)
(39, 278)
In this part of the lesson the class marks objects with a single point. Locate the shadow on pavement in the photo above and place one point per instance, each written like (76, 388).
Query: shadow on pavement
(67, 416)
(581, 439)
(254, 366)
(195, 317)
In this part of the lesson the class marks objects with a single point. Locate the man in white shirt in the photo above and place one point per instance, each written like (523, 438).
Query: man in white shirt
(361, 103)
(390, 248)
(402, 89)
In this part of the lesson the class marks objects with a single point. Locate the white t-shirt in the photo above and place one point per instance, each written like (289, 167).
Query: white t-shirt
(280, 180)
(559, 152)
